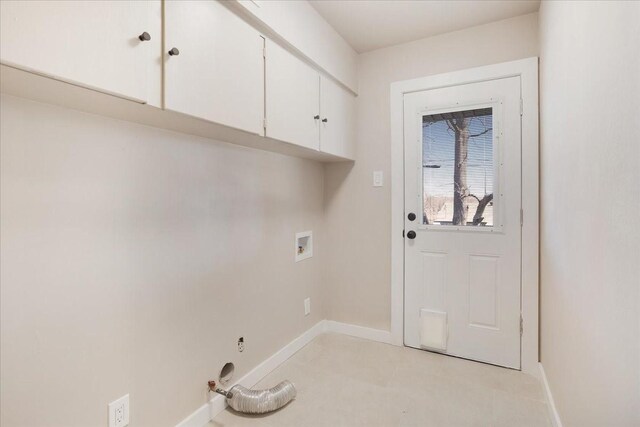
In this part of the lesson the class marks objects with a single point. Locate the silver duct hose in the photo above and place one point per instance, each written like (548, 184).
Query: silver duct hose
(248, 401)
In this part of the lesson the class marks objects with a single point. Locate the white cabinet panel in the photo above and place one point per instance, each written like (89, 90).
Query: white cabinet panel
(292, 98)
(306, 30)
(90, 43)
(337, 129)
(218, 74)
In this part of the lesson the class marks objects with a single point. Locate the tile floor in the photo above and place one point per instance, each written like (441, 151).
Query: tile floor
(345, 381)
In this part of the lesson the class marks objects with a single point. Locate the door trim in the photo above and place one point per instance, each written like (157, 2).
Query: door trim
(527, 70)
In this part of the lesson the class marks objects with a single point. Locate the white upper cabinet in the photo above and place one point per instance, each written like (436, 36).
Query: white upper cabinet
(292, 98)
(93, 44)
(337, 112)
(217, 71)
(305, 108)
(307, 32)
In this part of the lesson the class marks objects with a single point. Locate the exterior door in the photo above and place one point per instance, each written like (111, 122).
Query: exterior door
(463, 220)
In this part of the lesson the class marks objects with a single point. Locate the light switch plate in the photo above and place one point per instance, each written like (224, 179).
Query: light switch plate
(119, 412)
(378, 178)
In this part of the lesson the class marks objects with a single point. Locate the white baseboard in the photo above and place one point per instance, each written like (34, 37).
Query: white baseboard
(553, 411)
(360, 332)
(217, 404)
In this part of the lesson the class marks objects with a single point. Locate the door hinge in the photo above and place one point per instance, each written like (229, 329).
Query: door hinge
(521, 107)
(521, 217)
(521, 326)
(264, 51)
(264, 123)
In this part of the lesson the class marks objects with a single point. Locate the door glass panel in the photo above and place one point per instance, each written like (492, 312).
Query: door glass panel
(458, 168)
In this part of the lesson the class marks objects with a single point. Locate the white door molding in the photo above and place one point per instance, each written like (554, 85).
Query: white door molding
(527, 69)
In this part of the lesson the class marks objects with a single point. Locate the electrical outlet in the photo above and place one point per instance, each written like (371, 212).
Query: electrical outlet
(241, 344)
(119, 412)
(307, 306)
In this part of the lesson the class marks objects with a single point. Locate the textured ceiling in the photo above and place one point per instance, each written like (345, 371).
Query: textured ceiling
(368, 25)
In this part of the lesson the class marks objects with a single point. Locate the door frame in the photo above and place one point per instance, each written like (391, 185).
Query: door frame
(527, 70)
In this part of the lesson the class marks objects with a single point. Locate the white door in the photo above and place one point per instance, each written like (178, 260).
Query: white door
(462, 220)
(292, 98)
(217, 70)
(337, 113)
(93, 44)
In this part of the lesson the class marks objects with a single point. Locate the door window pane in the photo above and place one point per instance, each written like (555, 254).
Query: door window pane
(458, 168)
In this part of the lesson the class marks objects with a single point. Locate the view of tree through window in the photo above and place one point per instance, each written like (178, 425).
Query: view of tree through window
(457, 168)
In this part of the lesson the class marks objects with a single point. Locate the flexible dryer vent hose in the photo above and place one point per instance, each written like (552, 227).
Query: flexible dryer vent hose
(248, 401)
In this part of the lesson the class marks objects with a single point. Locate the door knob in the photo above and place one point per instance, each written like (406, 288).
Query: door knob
(316, 117)
(144, 37)
(325, 120)
(411, 234)
(411, 216)
(174, 51)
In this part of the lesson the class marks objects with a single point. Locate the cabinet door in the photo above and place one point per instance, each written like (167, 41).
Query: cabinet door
(89, 43)
(292, 101)
(337, 129)
(218, 74)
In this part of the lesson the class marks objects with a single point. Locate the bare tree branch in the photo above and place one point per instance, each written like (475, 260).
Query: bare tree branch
(452, 125)
(482, 204)
(481, 133)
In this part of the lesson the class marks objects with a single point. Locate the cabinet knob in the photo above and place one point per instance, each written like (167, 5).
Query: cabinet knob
(144, 37)
(316, 117)
(325, 120)
(174, 51)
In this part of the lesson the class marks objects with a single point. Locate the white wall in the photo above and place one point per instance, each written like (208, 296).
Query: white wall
(358, 216)
(590, 200)
(133, 258)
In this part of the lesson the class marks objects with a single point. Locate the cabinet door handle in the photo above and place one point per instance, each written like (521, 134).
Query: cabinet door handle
(316, 117)
(144, 37)
(174, 51)
(325, 120)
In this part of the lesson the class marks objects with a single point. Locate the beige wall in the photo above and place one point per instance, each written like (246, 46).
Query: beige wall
(590, 199)
(132, 260)
(358, 216)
